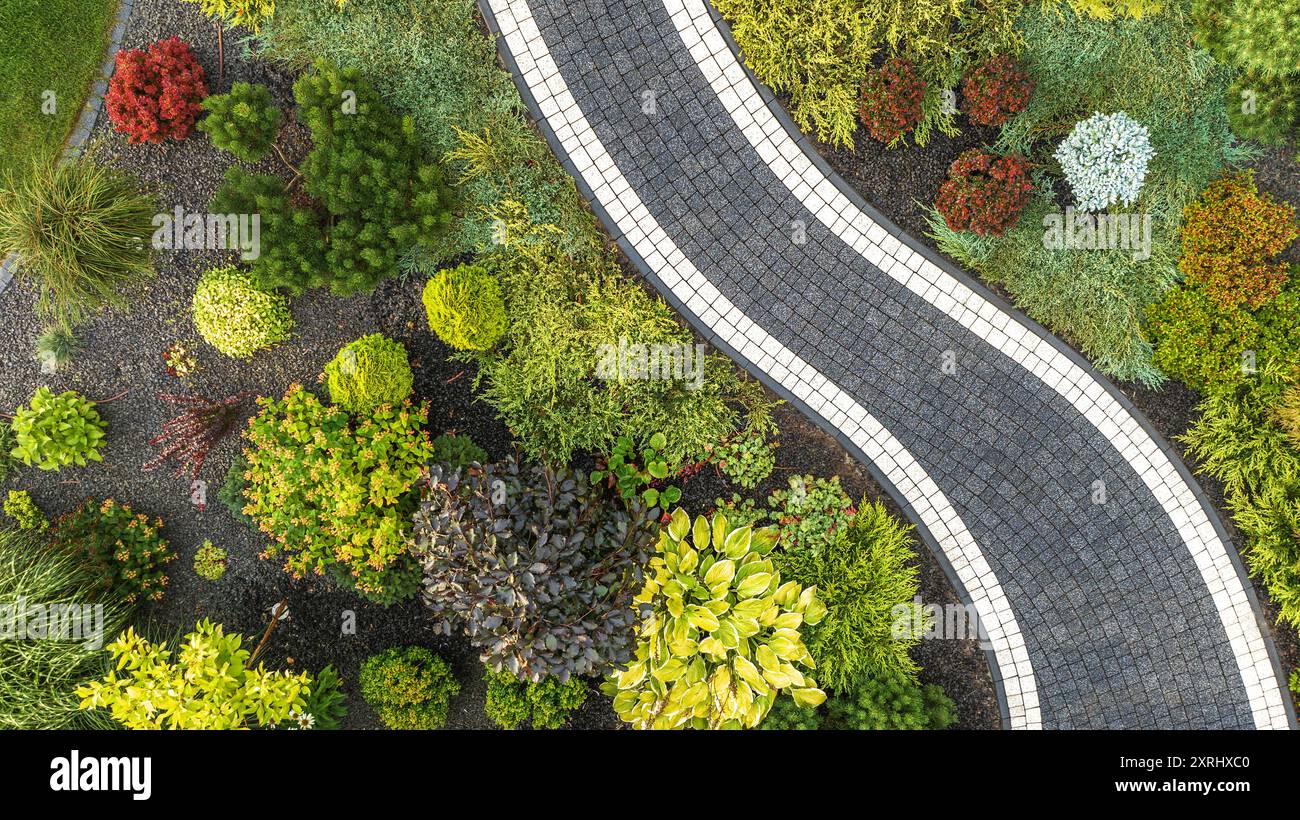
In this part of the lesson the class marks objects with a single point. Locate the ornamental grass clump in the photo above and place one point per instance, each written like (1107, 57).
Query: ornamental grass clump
(83, 233)
(243, 122)
(335, 492)
(54, 431)
(370, 373)
(1105, 160)
(464, 307)
(720, 633)
(984, 193)
(126, 546)
(236, 316)
(537, 566)
(409, 687)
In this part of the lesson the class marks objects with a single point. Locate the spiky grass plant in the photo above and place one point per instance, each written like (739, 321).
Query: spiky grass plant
(82, 232)
(190, 436)
(56, 345)
(38, 676)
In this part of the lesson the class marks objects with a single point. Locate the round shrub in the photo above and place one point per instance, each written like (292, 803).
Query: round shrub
(243, 122)
(984, 193)
(409, 687)
(996, 90)
(788, 716)
(866, 579)
(52, 431)
(1229, 236)
(890, 702)
(545, 704)
(236, 317)
(890, 102)
(156, 95)
(1105, 160)
(457, 452)
(210, 561)
(82, 231)
(127, 547)
(464, 307)
(369, 373)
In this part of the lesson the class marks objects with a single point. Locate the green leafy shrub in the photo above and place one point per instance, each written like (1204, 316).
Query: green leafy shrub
(336, 494)
(865, 580)
(812, 513)
(243, 122)
(236, 317)
(369, 373)
(210, 561)
(984, 193)
(1231, 238)
(378, 192)
(891, 702)
(889, 104)
(720, 633)
(208, 684)
(39, 676)
(457, 452)
(627, 472)
(538, 566)
(464, 307)
(83, 232)
(326, 703)
(787, 716)
(125, 545)
(20, 507)
(1265, 108)
(1264, 37)
(1199, 342)
(409, 687)
(746, 458)
(52, 432)
(544, 705)
(251, 14)
(7, 445)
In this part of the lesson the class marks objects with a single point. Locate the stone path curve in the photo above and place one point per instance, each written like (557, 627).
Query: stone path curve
(1104, 581)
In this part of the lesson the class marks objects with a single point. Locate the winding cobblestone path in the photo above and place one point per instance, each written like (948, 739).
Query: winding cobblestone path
(1103, 578)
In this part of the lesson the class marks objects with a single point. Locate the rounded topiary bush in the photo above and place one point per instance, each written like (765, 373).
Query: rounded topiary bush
(1105, 160)
(369, 373)
(890, 102)
(996, 90)
(237, 317)
(465, 308)
(409, 687)
(984, 193)
(52, 432)
(243, 122)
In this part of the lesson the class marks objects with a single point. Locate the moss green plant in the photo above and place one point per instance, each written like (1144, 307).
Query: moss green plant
(369, 373)
(409, 687)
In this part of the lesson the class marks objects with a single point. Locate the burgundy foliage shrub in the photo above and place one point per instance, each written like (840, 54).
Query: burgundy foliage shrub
(156, 95)
(890, 103)
(996, 91)
(984, 192)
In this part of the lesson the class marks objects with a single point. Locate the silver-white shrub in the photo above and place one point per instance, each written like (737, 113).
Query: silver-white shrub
(1105, 160)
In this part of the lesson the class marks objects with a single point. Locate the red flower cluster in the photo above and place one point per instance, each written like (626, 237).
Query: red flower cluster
(890, 102)
(996, 90)
(155, 95)
(984, 192)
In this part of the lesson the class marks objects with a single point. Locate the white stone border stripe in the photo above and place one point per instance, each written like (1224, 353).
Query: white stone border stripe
(694, 290)
(1006, 333)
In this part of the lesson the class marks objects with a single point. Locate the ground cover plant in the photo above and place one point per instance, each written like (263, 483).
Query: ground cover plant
(42, 89)
(410, 687)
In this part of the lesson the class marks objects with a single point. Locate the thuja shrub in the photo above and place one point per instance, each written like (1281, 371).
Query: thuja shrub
(546, 704)
(243, 122)
(537, 566)
(126, 546)
(868, 582)
(236, 316)
(334, 493)
(995, 90)
(377, 194)
(55, 431)
(464, 307)
(251, 14)
(889, 104)
(369, 373)
(1231, 238)
(83, 233)
(409, 687)
(984, 193)
(720, 632)
(156, 94)
(204, 683)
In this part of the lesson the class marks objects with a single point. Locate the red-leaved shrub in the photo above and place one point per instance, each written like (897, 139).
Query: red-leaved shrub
(996, 91)
(155, 95)
(984, 192)
(1231, 236)
(890, 103)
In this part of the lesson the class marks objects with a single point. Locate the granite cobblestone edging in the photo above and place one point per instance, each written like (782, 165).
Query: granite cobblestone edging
(1094, 586)
(85, 125)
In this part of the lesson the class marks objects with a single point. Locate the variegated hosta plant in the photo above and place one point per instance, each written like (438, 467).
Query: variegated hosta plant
(719, 636)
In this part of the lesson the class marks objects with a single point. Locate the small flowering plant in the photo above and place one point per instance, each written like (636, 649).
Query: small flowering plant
(124, 544)
(180, 360)
(1105, 160)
